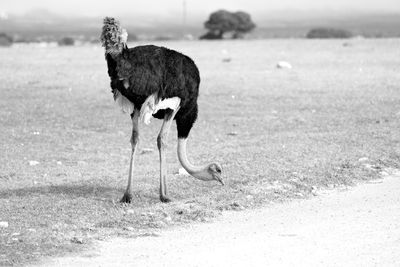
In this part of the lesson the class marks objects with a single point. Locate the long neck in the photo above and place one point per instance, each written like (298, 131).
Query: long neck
(115, 51)
(198, 172)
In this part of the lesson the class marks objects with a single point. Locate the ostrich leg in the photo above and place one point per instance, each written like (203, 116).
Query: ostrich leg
(161, 144)
(127, 198)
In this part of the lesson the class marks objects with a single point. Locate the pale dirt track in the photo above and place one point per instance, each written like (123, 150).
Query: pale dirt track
(356, 227)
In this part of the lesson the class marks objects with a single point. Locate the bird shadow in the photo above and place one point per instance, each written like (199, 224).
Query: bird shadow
(83, 190)
(88, 191)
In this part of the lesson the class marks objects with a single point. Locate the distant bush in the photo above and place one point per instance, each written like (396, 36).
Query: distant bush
(325, 33)
(66, 41)
(210, 36)
(163, 38)
(5, 40)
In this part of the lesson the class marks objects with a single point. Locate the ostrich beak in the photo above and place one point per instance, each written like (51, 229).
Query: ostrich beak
(218, 177)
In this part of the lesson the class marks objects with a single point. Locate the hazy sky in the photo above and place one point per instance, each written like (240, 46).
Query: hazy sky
(196, 7)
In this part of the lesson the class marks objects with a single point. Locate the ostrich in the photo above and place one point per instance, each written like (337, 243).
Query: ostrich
(150, 81)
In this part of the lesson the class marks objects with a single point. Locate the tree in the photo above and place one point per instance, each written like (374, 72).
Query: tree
(223, 21)
(5, 40)
(244, 24)
(66, 41)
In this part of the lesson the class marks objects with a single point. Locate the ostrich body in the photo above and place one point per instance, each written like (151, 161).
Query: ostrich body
(151, 81)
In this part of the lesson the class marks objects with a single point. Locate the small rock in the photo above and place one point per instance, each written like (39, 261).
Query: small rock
(205, 219)
(147, 214)
(232, 133)
(77, 240)
(15, 234)
(372, 167)
(33, 163)
(179, 212)
(236, 206)
(283, 65)
(130, 211)
(314, 190)
(362, 159)
(3, 224)
(226, 60)
(159, 224)
(149, 234)
(368, 166)
(59, 163)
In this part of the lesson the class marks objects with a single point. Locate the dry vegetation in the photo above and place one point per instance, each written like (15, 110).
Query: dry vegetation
(279, 133)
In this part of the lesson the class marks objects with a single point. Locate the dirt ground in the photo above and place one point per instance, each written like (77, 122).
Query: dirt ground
(356, 227)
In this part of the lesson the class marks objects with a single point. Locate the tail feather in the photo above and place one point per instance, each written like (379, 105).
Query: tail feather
(148, 108)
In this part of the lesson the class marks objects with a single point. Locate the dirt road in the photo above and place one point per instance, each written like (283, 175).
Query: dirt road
(356, 227)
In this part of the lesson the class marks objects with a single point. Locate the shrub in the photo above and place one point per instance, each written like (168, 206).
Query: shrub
(5, 40)
(325, 33)
(163, 38)
(210, 36)
(66, 41)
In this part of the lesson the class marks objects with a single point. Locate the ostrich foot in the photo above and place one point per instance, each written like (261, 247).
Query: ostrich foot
(165, 199)
(127, 198)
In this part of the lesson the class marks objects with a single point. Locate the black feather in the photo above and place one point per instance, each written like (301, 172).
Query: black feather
(152, 69)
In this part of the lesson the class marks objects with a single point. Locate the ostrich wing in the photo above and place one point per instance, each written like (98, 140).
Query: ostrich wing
(142, 68)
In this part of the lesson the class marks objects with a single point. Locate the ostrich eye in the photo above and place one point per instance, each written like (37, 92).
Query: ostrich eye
(213, 168)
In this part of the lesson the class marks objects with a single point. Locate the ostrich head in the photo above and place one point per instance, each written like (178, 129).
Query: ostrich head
(215, 171)
(113, 37)
(211, 172)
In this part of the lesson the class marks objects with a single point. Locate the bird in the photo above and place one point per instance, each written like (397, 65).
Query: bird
(152, 81)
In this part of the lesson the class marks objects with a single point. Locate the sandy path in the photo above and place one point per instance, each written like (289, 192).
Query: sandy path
(358, 227)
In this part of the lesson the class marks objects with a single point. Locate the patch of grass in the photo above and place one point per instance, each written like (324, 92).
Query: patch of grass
(294, 130)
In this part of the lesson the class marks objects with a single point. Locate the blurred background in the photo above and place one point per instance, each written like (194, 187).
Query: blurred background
(77, 21)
